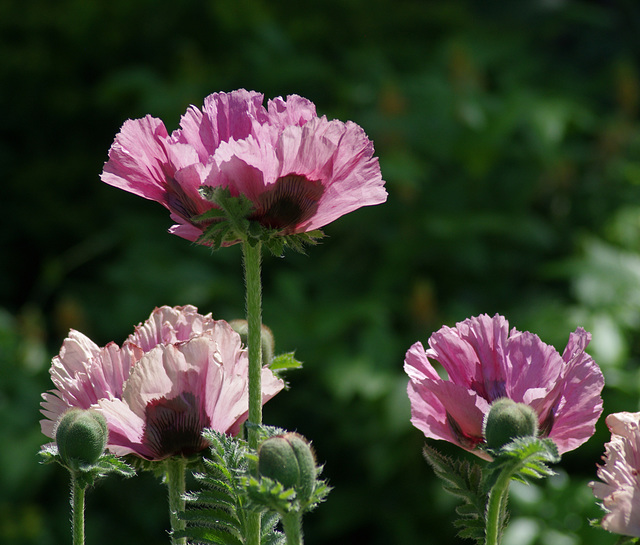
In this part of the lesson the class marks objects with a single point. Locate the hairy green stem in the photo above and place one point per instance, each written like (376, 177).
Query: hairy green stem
(495, 508)
(176, 483)
(77, 510)
(253, 283)
(292, 525)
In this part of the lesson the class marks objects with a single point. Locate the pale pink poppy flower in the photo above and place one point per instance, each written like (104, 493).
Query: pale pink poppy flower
(484, 362)
(620, 491)
(178, 373)
(300, 171)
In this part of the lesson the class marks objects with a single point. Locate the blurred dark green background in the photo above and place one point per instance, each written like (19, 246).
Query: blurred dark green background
(508, 135)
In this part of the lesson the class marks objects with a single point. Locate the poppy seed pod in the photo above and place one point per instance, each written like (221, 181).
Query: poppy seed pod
(507, 420)
(289, 460)
(81, 437)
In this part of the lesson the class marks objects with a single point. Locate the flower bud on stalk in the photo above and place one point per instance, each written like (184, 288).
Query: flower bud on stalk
(289, 460)
(241, 327)
(81, 437)
(507, 420)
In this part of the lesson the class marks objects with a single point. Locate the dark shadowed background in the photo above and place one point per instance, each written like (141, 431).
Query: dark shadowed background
(508, 135)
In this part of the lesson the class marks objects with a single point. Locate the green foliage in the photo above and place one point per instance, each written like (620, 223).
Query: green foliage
(85, 474)
(285, 362)
(265, 493)
(217, 512)
(508, 135)
(464, 480)
(231, 223)
(524, 459)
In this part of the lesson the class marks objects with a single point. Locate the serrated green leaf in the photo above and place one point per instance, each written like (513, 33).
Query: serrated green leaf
(211, 214)
(221, 496)
(525, 458)
(217, 518)
(210, 536)
(275, 245)
(463, 480)
(283, 362)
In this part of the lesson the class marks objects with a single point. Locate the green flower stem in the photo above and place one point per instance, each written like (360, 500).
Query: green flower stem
(251, 258)
(496, 506)
(175, 476)
(292, 525)
(252, 255)
(77, 510)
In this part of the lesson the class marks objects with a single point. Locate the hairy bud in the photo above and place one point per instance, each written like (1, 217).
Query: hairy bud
(81, 436)
(289, 459)
(266, 337)
(507, 420)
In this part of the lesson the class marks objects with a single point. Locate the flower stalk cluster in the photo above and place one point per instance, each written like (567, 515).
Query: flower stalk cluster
(183, 390)
(234, 172)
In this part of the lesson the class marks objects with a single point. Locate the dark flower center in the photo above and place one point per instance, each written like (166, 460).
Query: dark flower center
(291, 200)
(173, 427)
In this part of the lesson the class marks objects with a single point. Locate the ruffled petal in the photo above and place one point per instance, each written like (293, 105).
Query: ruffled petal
(619, 490)
(126, 429)
(138, 160)
(224, 116)
(294, 111)
(580, 404)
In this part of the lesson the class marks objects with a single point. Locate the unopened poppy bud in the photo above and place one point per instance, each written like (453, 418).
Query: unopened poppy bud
(507, 420)
(289, 459)
(266, 338)
(81, 436)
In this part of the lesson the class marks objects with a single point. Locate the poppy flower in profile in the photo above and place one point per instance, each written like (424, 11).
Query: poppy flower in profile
(484, 362)
(299, 171)
(178, 373)
(620, 489)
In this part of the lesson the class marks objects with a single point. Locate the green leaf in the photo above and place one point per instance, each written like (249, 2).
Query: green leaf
(464, 480)
(525, 457)
(214, 536)
(283, 362)
(217, 512)
(211, 214)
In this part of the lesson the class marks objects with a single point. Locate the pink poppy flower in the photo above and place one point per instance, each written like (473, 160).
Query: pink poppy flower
(300, 171)
(178, 373)
(485, 362)
(620, 491)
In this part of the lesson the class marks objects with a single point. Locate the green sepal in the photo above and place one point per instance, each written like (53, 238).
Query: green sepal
(87, 475)
(269, 494)
(276, 242)
(230, 223)
(526, 458)
(211, 214)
